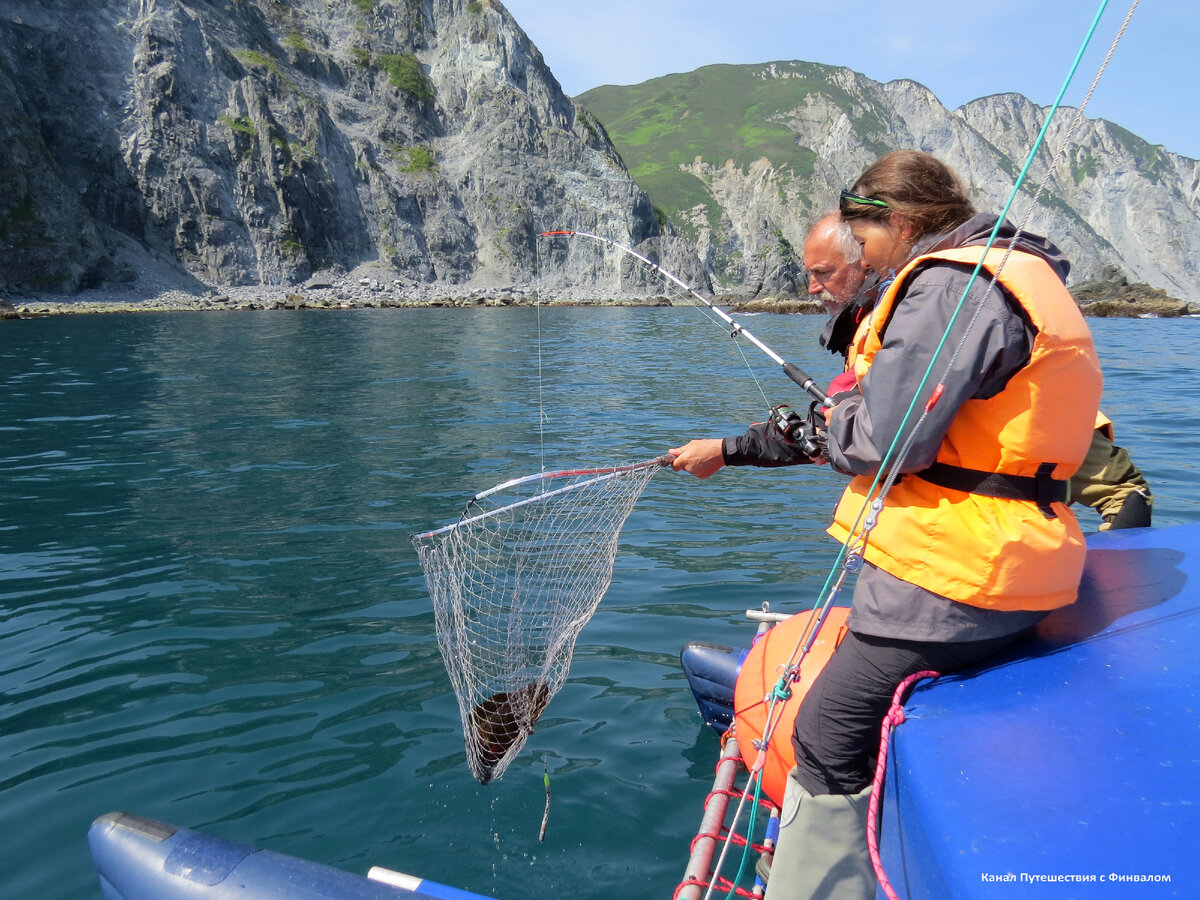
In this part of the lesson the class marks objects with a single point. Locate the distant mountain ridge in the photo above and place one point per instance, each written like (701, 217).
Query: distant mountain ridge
(741, 159)
(154, 144)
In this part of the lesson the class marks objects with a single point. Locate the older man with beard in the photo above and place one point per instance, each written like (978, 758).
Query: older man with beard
(1108, 481)
(836, 277)
(833, 261)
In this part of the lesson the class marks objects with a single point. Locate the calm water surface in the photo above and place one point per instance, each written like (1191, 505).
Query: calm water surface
(210, 612)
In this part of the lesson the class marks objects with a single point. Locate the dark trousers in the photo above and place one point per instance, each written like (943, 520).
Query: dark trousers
(836, 736)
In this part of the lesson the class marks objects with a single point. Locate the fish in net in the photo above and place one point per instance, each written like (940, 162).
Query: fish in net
(513, 582)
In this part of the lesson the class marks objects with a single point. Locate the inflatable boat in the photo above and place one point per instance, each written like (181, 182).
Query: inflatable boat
(141, 859)
(1067, 765)
(1071, 761)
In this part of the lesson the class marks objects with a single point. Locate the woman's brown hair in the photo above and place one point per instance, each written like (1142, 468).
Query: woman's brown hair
(920, 187)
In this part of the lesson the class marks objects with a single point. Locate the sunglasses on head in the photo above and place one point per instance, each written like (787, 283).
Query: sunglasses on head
(848, 197)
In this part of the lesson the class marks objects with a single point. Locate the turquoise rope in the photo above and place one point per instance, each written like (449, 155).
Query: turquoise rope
(737, 879)
(1037, 144)
(781, 689)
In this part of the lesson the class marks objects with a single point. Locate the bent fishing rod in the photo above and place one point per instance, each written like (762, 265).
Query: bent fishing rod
(794, 372)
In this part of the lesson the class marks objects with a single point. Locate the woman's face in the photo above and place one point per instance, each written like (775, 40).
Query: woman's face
(883, 244)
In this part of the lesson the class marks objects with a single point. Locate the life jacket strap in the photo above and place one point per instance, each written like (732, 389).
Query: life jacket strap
(1042, 488)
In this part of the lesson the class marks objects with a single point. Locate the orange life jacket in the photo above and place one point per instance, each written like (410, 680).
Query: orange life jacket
(984, 550)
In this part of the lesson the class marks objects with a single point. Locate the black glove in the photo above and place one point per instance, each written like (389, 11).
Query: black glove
(816, 432)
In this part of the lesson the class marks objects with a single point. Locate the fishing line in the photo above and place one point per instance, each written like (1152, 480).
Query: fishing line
(537, 301)
(794, 372)
(707, 311)
(897, 451)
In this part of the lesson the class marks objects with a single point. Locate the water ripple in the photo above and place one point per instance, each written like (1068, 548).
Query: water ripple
(210, 612)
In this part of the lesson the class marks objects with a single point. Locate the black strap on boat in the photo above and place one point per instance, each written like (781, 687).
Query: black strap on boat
(1042, 488)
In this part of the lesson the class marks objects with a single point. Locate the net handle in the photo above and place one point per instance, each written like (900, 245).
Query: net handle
(664, 460)
(602, 475)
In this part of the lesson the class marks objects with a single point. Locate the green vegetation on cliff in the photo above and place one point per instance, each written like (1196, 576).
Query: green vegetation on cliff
(717, 114)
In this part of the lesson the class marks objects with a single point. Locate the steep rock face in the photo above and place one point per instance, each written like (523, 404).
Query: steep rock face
(1108, 198)
(757, 244)
(257, 141)
(1132, 205)
(48, 235)
(230, 142)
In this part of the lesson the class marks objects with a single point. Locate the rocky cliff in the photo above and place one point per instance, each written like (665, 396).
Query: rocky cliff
(166, 143)
(743, 158)
(257, 142)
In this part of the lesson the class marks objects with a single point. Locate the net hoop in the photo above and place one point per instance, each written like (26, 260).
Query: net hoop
(513, 582)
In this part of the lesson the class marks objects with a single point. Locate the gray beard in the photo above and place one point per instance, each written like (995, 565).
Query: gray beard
(832, 305)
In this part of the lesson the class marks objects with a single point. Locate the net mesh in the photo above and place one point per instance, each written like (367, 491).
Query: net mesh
(513, 583)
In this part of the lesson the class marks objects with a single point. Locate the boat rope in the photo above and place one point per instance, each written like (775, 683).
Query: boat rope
(744, 796)
(895, 716)
(719, 882)
(701, 875)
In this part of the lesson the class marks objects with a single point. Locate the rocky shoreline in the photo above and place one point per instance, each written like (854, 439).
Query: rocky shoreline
(347, 293)
(357, 291)
(259, 298)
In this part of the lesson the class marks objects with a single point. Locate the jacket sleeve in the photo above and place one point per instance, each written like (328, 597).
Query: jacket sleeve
(1106, 478)
(763, 446)
(988, 342)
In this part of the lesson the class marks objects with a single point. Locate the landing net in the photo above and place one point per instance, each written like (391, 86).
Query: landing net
(513, 582)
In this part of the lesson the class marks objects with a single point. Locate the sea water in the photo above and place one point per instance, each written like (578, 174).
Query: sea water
(211, 613)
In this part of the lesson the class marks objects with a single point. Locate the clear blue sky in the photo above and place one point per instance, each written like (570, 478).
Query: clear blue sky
(959, 50)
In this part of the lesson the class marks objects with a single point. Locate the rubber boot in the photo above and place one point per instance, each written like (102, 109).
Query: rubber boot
(1135, 513)
(822, 850)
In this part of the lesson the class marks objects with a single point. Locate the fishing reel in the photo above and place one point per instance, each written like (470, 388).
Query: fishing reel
(806, 432)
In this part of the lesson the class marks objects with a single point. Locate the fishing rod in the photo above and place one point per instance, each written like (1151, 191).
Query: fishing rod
(794, 372)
